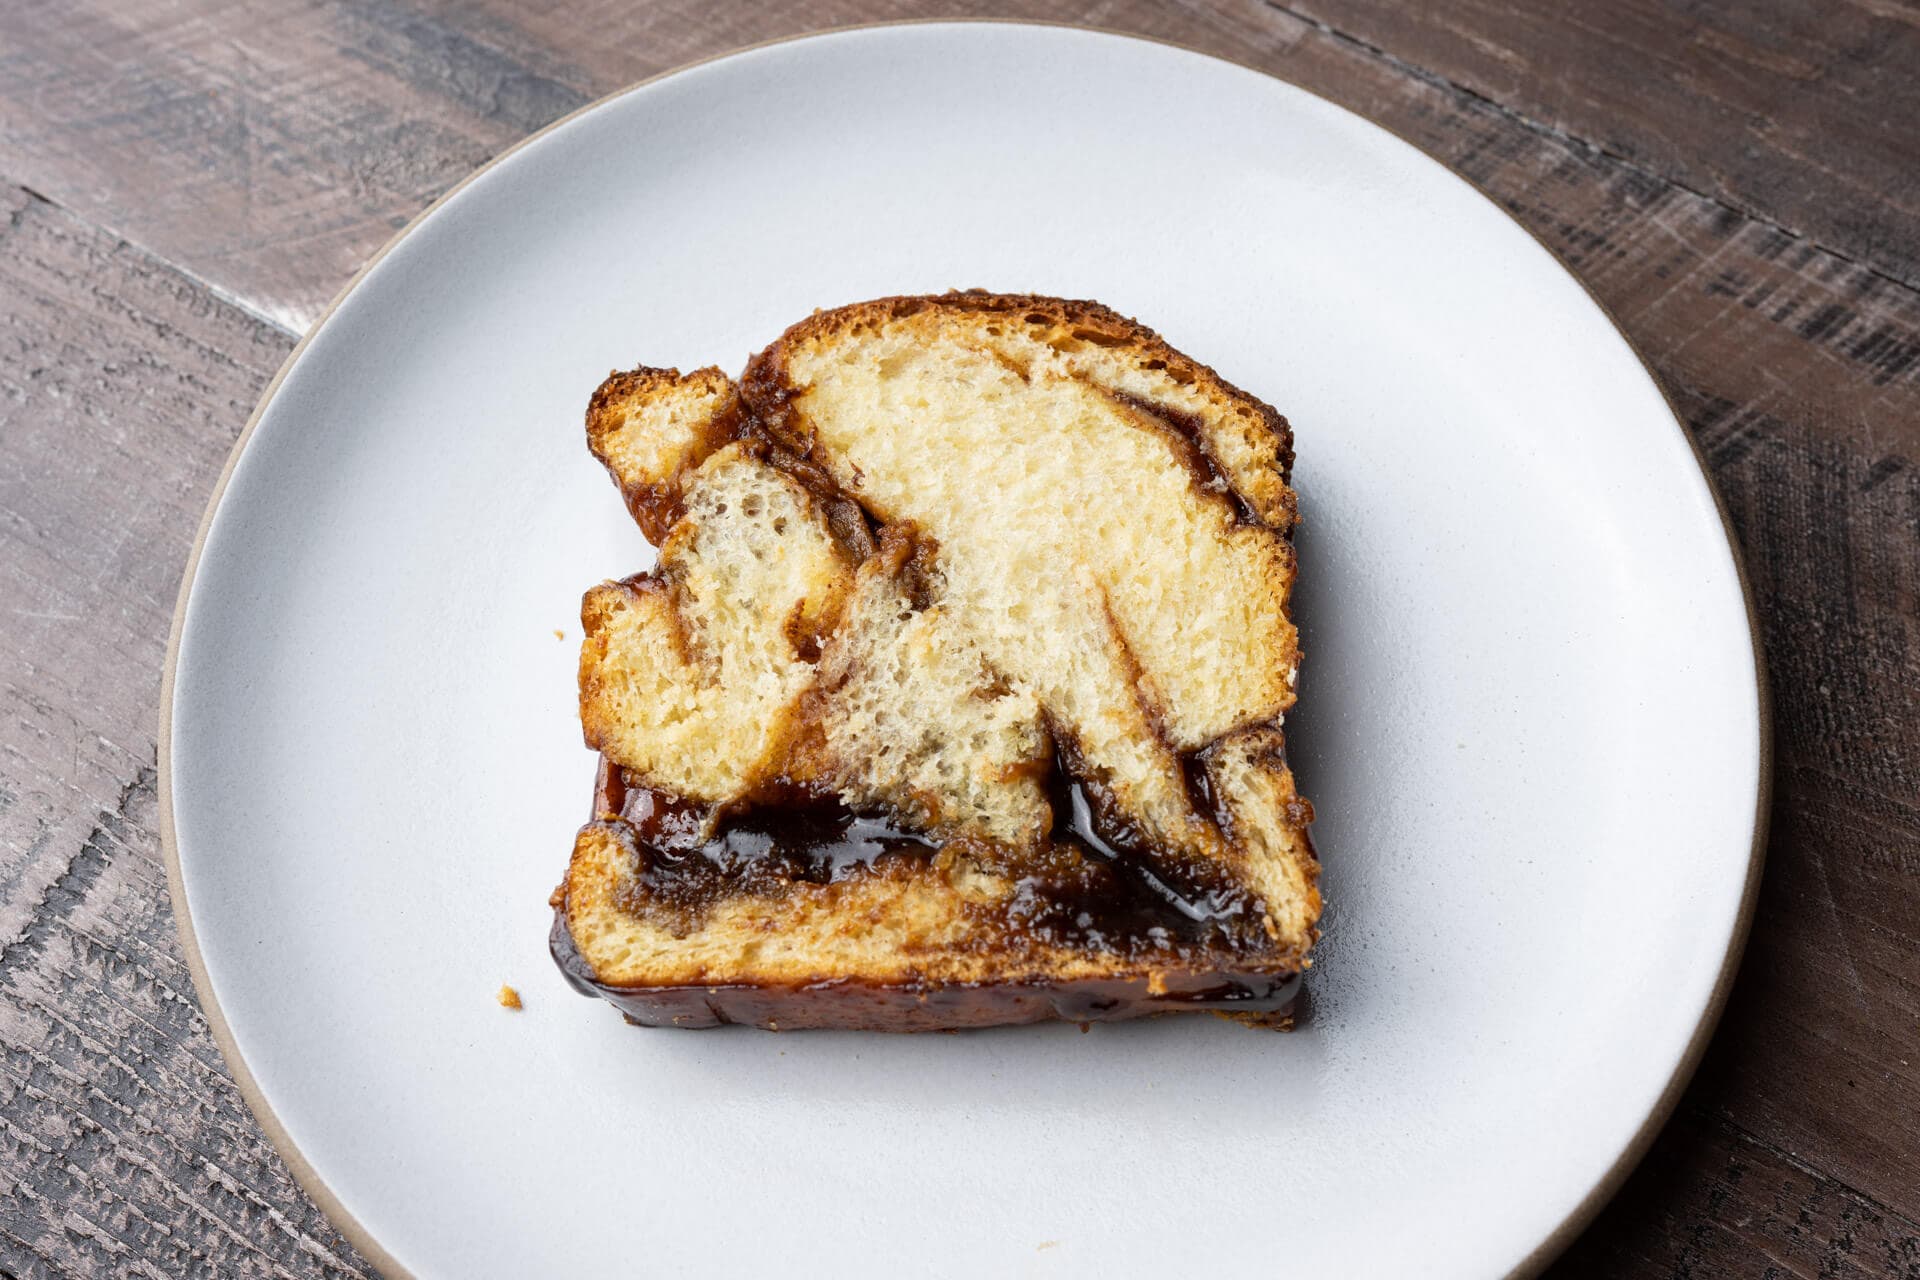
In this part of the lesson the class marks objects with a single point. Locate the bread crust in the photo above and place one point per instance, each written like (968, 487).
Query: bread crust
(859, 1004)
(656, 430)
(767, 388)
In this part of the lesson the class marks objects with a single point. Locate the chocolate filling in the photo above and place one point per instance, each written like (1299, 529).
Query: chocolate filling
(1189, 438)
(1090, 885)
(1086, 887)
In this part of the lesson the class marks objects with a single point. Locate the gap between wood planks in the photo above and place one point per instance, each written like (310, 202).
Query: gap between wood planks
(1542, 129)
(216, 291)
(46, 911)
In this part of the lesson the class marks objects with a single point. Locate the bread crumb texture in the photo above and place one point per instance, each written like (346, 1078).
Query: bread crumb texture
(922, 549)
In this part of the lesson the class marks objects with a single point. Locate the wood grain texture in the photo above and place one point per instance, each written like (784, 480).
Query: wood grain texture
(124, 1147)
(1711, 1201)
(1802, 112)
(270, 148)
(266, 151)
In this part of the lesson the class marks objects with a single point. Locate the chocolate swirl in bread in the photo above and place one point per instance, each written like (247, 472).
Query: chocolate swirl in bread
(955, 696)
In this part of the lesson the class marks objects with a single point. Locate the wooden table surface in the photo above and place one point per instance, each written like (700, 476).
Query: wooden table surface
(185, 183)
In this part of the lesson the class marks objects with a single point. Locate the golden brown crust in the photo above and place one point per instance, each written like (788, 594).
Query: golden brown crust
(656, 506)
(766, 386)
(862, 1004)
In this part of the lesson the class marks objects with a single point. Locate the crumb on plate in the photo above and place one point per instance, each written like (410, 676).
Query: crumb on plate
(508, 998)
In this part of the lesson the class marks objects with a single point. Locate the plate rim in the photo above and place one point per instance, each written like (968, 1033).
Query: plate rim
(1556, 1242)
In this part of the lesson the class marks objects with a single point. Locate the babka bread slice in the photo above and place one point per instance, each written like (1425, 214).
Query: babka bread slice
(955, 696)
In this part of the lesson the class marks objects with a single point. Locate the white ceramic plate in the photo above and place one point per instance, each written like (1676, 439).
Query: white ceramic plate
(1530, 718)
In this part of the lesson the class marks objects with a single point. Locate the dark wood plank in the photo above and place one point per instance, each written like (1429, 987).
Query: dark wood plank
(1711, 1201)
(124, 1147)
(1798, 370)
(1803, 112)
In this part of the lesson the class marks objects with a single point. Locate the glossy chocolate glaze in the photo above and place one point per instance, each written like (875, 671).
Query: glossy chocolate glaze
(1085, 888)
(1130, 903)
(1091, 886)
(760, 852)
